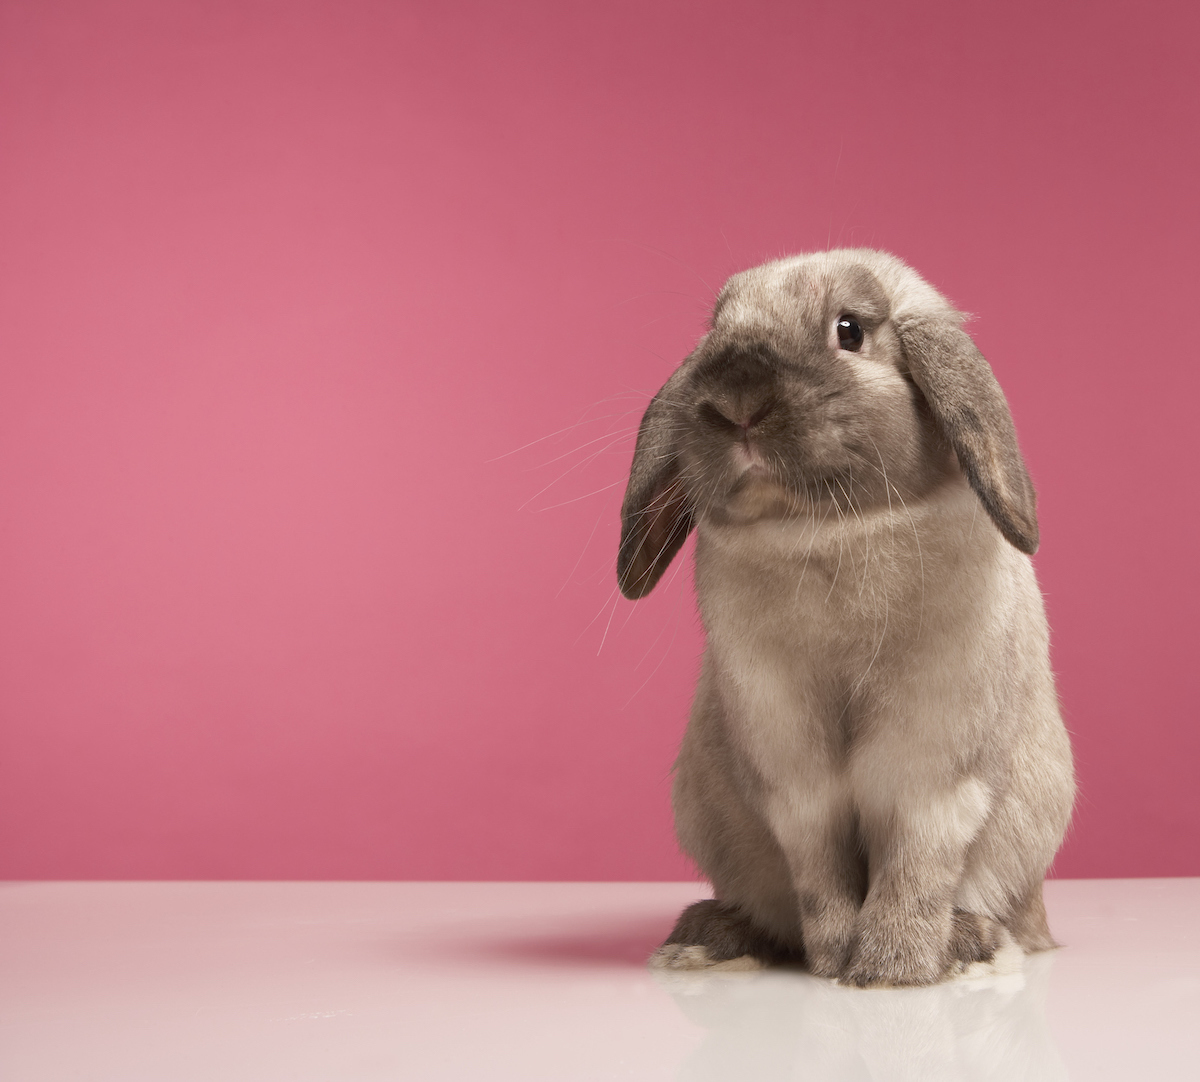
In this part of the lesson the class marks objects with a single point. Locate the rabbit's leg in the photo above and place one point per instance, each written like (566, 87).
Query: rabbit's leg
(817, 833)
(723, 831)
(754, 905)
(918, 847)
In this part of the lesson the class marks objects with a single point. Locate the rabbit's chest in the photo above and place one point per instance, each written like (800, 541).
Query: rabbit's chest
(818, 641)
(822, 605)
(788, 687)
(802, 644)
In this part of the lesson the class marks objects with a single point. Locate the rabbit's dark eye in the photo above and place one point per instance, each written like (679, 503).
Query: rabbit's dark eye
(850, 334)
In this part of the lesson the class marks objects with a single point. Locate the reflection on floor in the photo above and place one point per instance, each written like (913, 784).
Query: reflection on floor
(249, 982)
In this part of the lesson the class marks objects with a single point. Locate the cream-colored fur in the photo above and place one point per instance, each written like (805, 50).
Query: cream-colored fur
(875, 768)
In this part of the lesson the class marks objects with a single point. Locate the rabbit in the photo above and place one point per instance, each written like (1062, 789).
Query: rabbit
(875, 776)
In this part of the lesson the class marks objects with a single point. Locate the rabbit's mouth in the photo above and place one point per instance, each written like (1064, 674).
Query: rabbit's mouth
(759, 491)
(757, 495)
(756, 465)
(749, 459)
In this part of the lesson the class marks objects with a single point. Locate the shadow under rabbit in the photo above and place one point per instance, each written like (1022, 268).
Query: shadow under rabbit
(626, 944)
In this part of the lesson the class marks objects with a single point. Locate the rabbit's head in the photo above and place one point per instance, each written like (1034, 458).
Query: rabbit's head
(838, 379)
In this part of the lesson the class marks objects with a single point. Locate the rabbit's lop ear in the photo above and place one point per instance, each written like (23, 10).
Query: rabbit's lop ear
(968, 405)
(658, 513)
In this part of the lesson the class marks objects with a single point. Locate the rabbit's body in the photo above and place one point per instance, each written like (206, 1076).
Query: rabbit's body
(875, 775)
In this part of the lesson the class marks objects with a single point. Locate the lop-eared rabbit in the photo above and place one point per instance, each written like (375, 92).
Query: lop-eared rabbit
(875, 775)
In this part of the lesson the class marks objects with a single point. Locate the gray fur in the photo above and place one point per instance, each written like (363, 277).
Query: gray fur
(875, 776)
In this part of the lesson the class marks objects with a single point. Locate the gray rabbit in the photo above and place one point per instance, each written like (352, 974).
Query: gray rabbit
(875, 776)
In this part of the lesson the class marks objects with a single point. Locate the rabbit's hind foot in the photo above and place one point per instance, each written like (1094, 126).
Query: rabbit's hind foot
(713, 935)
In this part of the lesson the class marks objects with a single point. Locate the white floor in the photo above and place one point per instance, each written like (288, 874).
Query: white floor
(495, 981)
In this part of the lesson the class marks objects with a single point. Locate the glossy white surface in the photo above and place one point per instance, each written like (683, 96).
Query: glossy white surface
(495, 981)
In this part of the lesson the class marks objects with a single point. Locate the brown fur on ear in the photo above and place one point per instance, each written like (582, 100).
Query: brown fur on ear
(969, 407)
(657, 513)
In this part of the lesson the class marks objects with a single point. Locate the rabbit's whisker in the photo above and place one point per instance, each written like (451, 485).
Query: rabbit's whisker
(582, 553)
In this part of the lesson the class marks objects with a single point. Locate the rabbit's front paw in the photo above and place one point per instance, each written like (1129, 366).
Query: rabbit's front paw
(888, 954)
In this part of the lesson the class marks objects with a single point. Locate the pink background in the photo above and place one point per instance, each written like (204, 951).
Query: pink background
(288, 288)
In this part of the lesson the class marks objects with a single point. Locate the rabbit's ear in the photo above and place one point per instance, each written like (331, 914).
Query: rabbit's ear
(658, 513)
(969, 407)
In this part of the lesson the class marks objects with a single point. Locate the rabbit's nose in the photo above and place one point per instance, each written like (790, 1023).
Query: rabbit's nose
(746, 417)
(740, 414)
(755, 417)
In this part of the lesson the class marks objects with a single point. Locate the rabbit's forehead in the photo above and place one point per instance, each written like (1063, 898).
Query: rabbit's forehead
(804, 292)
